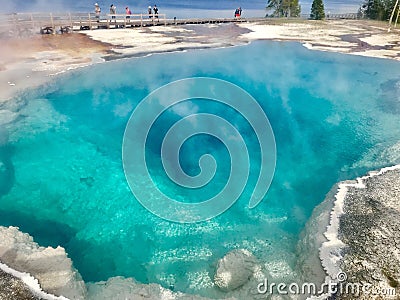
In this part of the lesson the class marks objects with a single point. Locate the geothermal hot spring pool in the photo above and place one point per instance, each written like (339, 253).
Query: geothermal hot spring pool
(334, 117)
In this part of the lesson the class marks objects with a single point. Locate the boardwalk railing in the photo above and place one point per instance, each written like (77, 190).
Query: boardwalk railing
(344, 16)
(91, 21)
(348, 16)
(24, 24)
(28, 23)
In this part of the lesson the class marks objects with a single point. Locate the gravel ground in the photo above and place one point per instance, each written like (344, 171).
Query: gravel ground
(12, 288)
(370, 229)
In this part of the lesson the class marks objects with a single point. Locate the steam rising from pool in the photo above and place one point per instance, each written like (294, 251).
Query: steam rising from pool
(65, 182)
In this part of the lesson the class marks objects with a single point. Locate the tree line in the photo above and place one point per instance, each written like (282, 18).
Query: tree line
(291, 8)
(377, 9)
(371, 9)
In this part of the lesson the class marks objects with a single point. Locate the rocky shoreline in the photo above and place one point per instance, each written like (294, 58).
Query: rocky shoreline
(369, 228)
(357, 228)
(31, 272)
(51, 267)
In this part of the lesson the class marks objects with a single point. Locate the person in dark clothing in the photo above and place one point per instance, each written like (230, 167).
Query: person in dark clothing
(113, 11)
(155, 9)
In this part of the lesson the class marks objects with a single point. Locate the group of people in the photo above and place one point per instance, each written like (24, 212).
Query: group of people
(113, 11)
(155, 10)
(238, 12)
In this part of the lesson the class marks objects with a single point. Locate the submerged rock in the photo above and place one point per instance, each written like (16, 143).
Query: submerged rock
(6, 117)
(235, 269)
(389, 100)
(308, 264)
(128, 288)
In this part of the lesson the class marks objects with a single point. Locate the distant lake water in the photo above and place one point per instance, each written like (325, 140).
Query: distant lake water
(177, 8)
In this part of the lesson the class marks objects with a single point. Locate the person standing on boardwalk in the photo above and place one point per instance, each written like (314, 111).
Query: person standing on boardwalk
(97, 11)
(155, 9)
(113, 11)
(128, 13)
(238, 12)
(150, 12)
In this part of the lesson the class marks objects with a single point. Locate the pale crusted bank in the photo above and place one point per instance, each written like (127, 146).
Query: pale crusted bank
(355, 233)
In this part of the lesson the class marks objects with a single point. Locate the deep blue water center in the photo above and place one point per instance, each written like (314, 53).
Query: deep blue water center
(334, 117)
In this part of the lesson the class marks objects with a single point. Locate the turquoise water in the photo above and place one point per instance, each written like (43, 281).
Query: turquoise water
(62, 179)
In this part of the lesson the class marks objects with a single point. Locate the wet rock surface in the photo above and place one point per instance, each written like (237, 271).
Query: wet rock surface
(234, 269)
(389, 100)
(370, 229)
(128, 288)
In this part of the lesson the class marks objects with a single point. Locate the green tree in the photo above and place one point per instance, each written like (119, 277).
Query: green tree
(317, 10)
(275, 6)
(378, 9)
(284, 8)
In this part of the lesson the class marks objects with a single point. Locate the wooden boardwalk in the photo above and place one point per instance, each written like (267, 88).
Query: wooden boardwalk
(27, 23)
(346, 16)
